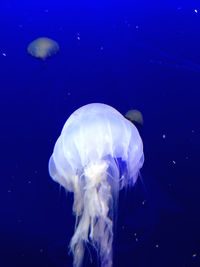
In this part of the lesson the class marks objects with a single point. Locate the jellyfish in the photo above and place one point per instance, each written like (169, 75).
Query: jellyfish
(43, 48)
(98, 153)
(135, 116)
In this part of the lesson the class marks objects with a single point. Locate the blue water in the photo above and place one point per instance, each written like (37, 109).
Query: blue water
(128, 54)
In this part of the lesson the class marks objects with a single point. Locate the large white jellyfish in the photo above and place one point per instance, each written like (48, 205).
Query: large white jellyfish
(98, 153)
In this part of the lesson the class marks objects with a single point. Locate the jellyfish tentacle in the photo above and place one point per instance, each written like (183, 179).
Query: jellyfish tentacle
(95, 226)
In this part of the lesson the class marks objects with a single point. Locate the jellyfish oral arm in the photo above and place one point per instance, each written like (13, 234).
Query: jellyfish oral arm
(94, 224)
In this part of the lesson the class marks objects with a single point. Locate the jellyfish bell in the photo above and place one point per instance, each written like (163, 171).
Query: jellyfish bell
(98, 153)
(43, 48)
(135, 116)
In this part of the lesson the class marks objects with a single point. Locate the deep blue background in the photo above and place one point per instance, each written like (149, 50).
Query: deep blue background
(131, 54)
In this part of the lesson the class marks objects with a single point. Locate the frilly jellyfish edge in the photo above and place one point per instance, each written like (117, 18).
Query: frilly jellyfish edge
(87, 160)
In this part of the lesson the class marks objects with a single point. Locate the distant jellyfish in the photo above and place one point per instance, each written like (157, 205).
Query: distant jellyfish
(43, 48)
(98, 153)
(135, 116)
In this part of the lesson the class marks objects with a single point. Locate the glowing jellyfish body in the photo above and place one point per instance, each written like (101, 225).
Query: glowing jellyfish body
(43, 48)
(97, 154)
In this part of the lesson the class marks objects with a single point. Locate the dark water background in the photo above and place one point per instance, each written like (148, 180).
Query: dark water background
(128, 54)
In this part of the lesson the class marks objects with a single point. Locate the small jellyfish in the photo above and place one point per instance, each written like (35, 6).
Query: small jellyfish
(98, 153)
(135, 116)
(43, 48)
